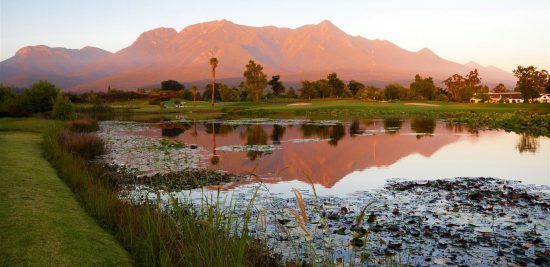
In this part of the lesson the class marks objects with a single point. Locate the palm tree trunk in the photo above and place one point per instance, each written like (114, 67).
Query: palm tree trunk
(213, 84)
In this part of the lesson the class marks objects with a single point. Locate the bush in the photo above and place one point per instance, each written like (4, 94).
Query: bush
(63, 109)
(84, 145)
(40, 97)
(154, 101)
(84, 125)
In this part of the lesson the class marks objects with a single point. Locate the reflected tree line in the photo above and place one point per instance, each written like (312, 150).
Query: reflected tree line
(257, 134)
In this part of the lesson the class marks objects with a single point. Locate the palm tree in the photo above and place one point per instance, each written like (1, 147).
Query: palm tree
(214, 64)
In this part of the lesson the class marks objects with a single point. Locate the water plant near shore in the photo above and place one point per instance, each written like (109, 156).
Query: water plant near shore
(199, 236)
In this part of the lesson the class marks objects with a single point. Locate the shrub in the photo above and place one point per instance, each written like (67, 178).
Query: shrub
(84, 145)
(40, 97)
(84, 125)
(154, 101)
(63, 109)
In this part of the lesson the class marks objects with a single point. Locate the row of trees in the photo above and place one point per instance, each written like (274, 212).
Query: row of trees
(531, 83)
(42, 97)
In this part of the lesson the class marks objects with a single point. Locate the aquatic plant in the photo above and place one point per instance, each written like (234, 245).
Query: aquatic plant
(83, 125)
(185, 234)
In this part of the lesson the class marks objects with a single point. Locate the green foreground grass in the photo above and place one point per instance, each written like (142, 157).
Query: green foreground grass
(41, 222)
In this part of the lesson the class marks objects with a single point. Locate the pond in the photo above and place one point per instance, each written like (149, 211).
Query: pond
(430, 192)
(343, 157)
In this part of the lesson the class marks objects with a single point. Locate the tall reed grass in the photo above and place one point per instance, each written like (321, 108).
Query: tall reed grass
(84, 125)
(206, 235)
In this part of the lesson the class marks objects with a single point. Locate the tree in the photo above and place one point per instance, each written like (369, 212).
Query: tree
(229, 94)
(393, 91)
(454, 84)
(322, 87)
(40, 97)
(171, 85)
(337, 87)
(255, 80)
(194, 92)
(463, 88)
(500, 88)
(369, 92)
(214, 65)
(423, 87)
(474, 81)
(291, 93)
(355, 86)
(207, 94)
(63, 109)
(531, 82)
(308, 90)
(187, 95)
(276, 85)
(7, 98)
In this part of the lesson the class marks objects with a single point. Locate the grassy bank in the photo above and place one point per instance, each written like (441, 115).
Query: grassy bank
(41, 223)
(186, 235)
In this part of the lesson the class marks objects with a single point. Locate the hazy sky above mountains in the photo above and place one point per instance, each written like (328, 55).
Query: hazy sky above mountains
(504, 33)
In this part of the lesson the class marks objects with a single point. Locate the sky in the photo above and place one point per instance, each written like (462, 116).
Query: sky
(503, 33)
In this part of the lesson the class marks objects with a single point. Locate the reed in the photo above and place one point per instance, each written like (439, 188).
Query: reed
(186, 234)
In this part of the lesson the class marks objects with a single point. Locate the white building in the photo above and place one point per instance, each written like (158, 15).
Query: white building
(544, 98)
(506, 97)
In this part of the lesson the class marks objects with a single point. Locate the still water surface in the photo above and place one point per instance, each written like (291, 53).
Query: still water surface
(345, 157)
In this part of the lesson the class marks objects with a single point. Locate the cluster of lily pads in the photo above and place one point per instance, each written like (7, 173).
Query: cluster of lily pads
(147, 156)
(460, 222)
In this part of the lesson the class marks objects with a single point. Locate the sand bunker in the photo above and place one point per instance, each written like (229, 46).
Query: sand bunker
(422, 104)
(299, 104)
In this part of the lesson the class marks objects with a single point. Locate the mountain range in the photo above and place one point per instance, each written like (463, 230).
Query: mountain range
(307, 52)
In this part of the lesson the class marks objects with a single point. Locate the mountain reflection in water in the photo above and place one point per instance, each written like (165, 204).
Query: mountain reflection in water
(325, 153)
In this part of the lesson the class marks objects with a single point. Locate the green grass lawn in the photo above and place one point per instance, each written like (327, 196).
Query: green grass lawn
(282, 106)
(41, 222)
(35, 125)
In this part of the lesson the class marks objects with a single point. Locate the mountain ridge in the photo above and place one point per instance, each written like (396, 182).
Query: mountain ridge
(307, 52)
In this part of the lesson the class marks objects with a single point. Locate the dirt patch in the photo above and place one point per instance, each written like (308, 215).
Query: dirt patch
(299, 104)
(422, 104)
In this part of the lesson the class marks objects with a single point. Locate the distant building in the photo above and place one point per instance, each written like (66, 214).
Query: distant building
(506, 97)
(544, 98)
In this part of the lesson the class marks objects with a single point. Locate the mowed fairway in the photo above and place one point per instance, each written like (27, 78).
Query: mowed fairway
(41, 222)
(301, 105)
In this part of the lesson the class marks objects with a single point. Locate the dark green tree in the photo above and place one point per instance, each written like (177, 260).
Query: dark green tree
(337, 86)
(393, 91)
(355, 86)
(308, 90)
(7, 100)
(40, 97)
(276, 85)
(171, 85)
(207, 94)
(291, 93)
(322, 87)
(187, 95)
(229, 94)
